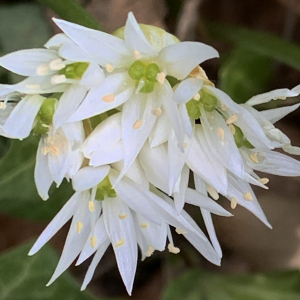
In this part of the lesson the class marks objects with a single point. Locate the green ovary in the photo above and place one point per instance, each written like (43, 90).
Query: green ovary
(74, 71)
(104, 189)
(141, 72)
(240, 138)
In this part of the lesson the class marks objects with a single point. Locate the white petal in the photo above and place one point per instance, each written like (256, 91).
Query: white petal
(57, 41)
(88, 177)
(93, 76)
(42, 176)
(109, 155)
(70, 51)
(20, 122)
(122, 236)
(179, 197)
(102, 47)
(136, 40)
(180, 59)
(187, 89)
(68, 103)
(58, 222)
(188, 124)
(26, 62)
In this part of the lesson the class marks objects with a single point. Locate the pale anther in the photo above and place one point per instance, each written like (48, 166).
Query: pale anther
(232, 129)
(185, 145)
(33, 86)
(57, 79)
(149, 251)
(212, 192)
(264, 180)
(197, 97)
(247, 196)
(137, 54)
(144, 225)
(2, 105)
(42, 69)
(180, 231)
(137, 124)
(254, 158)
(108, 98)
(93, 241)
(232, 119)
(91, 206)
(156, 112)
(224, 107)
(123, 216)
(120, 243)
(160, 77)
(109, 68)
(57, 64)
(173, 249)
(221, 133)
(233, 203)
(79, 226)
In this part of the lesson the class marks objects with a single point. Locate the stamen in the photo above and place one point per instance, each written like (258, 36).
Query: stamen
(280, 98)
(144, 225)
(254, 158)
(233, 202)
(156, 112)
(108, 98)
(50, 149)
(91, 206)
(232, 129)
(247, 196)
(185, 145)
(57, 79)
(180, 231)
(232, 119)
(93, 241)
(79, 226)
(57, 64)
(120, 243)
(221, 133)
(123, 216)
(2, 105)
(33, 86)
(161, 77)
(264, 180)
(224, 107)
(212, 192)
(137, 124)
(42, 69)
(149, 251)
(173, 249)
(137, 54)
(197, 97)
(109, 68)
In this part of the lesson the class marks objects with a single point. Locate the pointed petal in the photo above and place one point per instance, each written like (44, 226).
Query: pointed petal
(70, 51)
(57, 41)
(179, 197)
(93, 76)
(187, 89)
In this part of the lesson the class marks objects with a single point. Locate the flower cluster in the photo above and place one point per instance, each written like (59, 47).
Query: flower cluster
(131, 118)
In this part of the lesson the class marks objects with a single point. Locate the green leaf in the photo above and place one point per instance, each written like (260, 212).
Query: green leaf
(71, 10)
(260, 42)
(24, 278)
(198, 285)
(18, 195)
(245, 73)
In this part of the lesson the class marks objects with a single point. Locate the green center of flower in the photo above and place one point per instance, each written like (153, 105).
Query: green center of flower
(44, 116)
(240, 138)
(104, 189)
(75, 70)
(145, 74)
(206, 100)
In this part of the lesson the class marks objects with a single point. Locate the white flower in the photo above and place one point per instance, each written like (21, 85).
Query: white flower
(125, 217)
(136, 71)
(58, 156)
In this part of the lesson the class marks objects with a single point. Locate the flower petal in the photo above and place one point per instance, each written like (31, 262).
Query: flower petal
(187, 89)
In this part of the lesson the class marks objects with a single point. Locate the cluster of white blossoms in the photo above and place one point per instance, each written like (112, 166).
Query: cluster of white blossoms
(131, 119)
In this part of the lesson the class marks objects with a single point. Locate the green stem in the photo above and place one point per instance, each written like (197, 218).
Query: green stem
(71, 10)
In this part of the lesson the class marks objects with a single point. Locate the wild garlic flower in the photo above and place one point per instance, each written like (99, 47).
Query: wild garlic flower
(126, 216)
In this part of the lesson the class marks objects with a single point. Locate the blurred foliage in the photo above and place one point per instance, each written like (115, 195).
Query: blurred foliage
(24, 278)
(199, 285)
(18, 195)
(245, 73)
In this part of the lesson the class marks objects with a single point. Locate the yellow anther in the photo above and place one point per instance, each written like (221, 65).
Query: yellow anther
(221, 133)
(180, 231)
(2, 105)
(254, 158)
(91, 206)
(232, 119)
(109, 68)
(137, 124)
(197, 97)
(160, 77)
(247, 196)
(232, 129)
(79, 226)
(120, 243)
(93, 241)
(57, 64)
(224, 107)
(144, 225)
(42, 69)
(108, 98)
(173, 249)
(156, 111)
(264, 180)
(212, 192)
(149, 251)
(123, 216)
(57, 79)
(233, 202)
(137, 54)
(185, 145)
